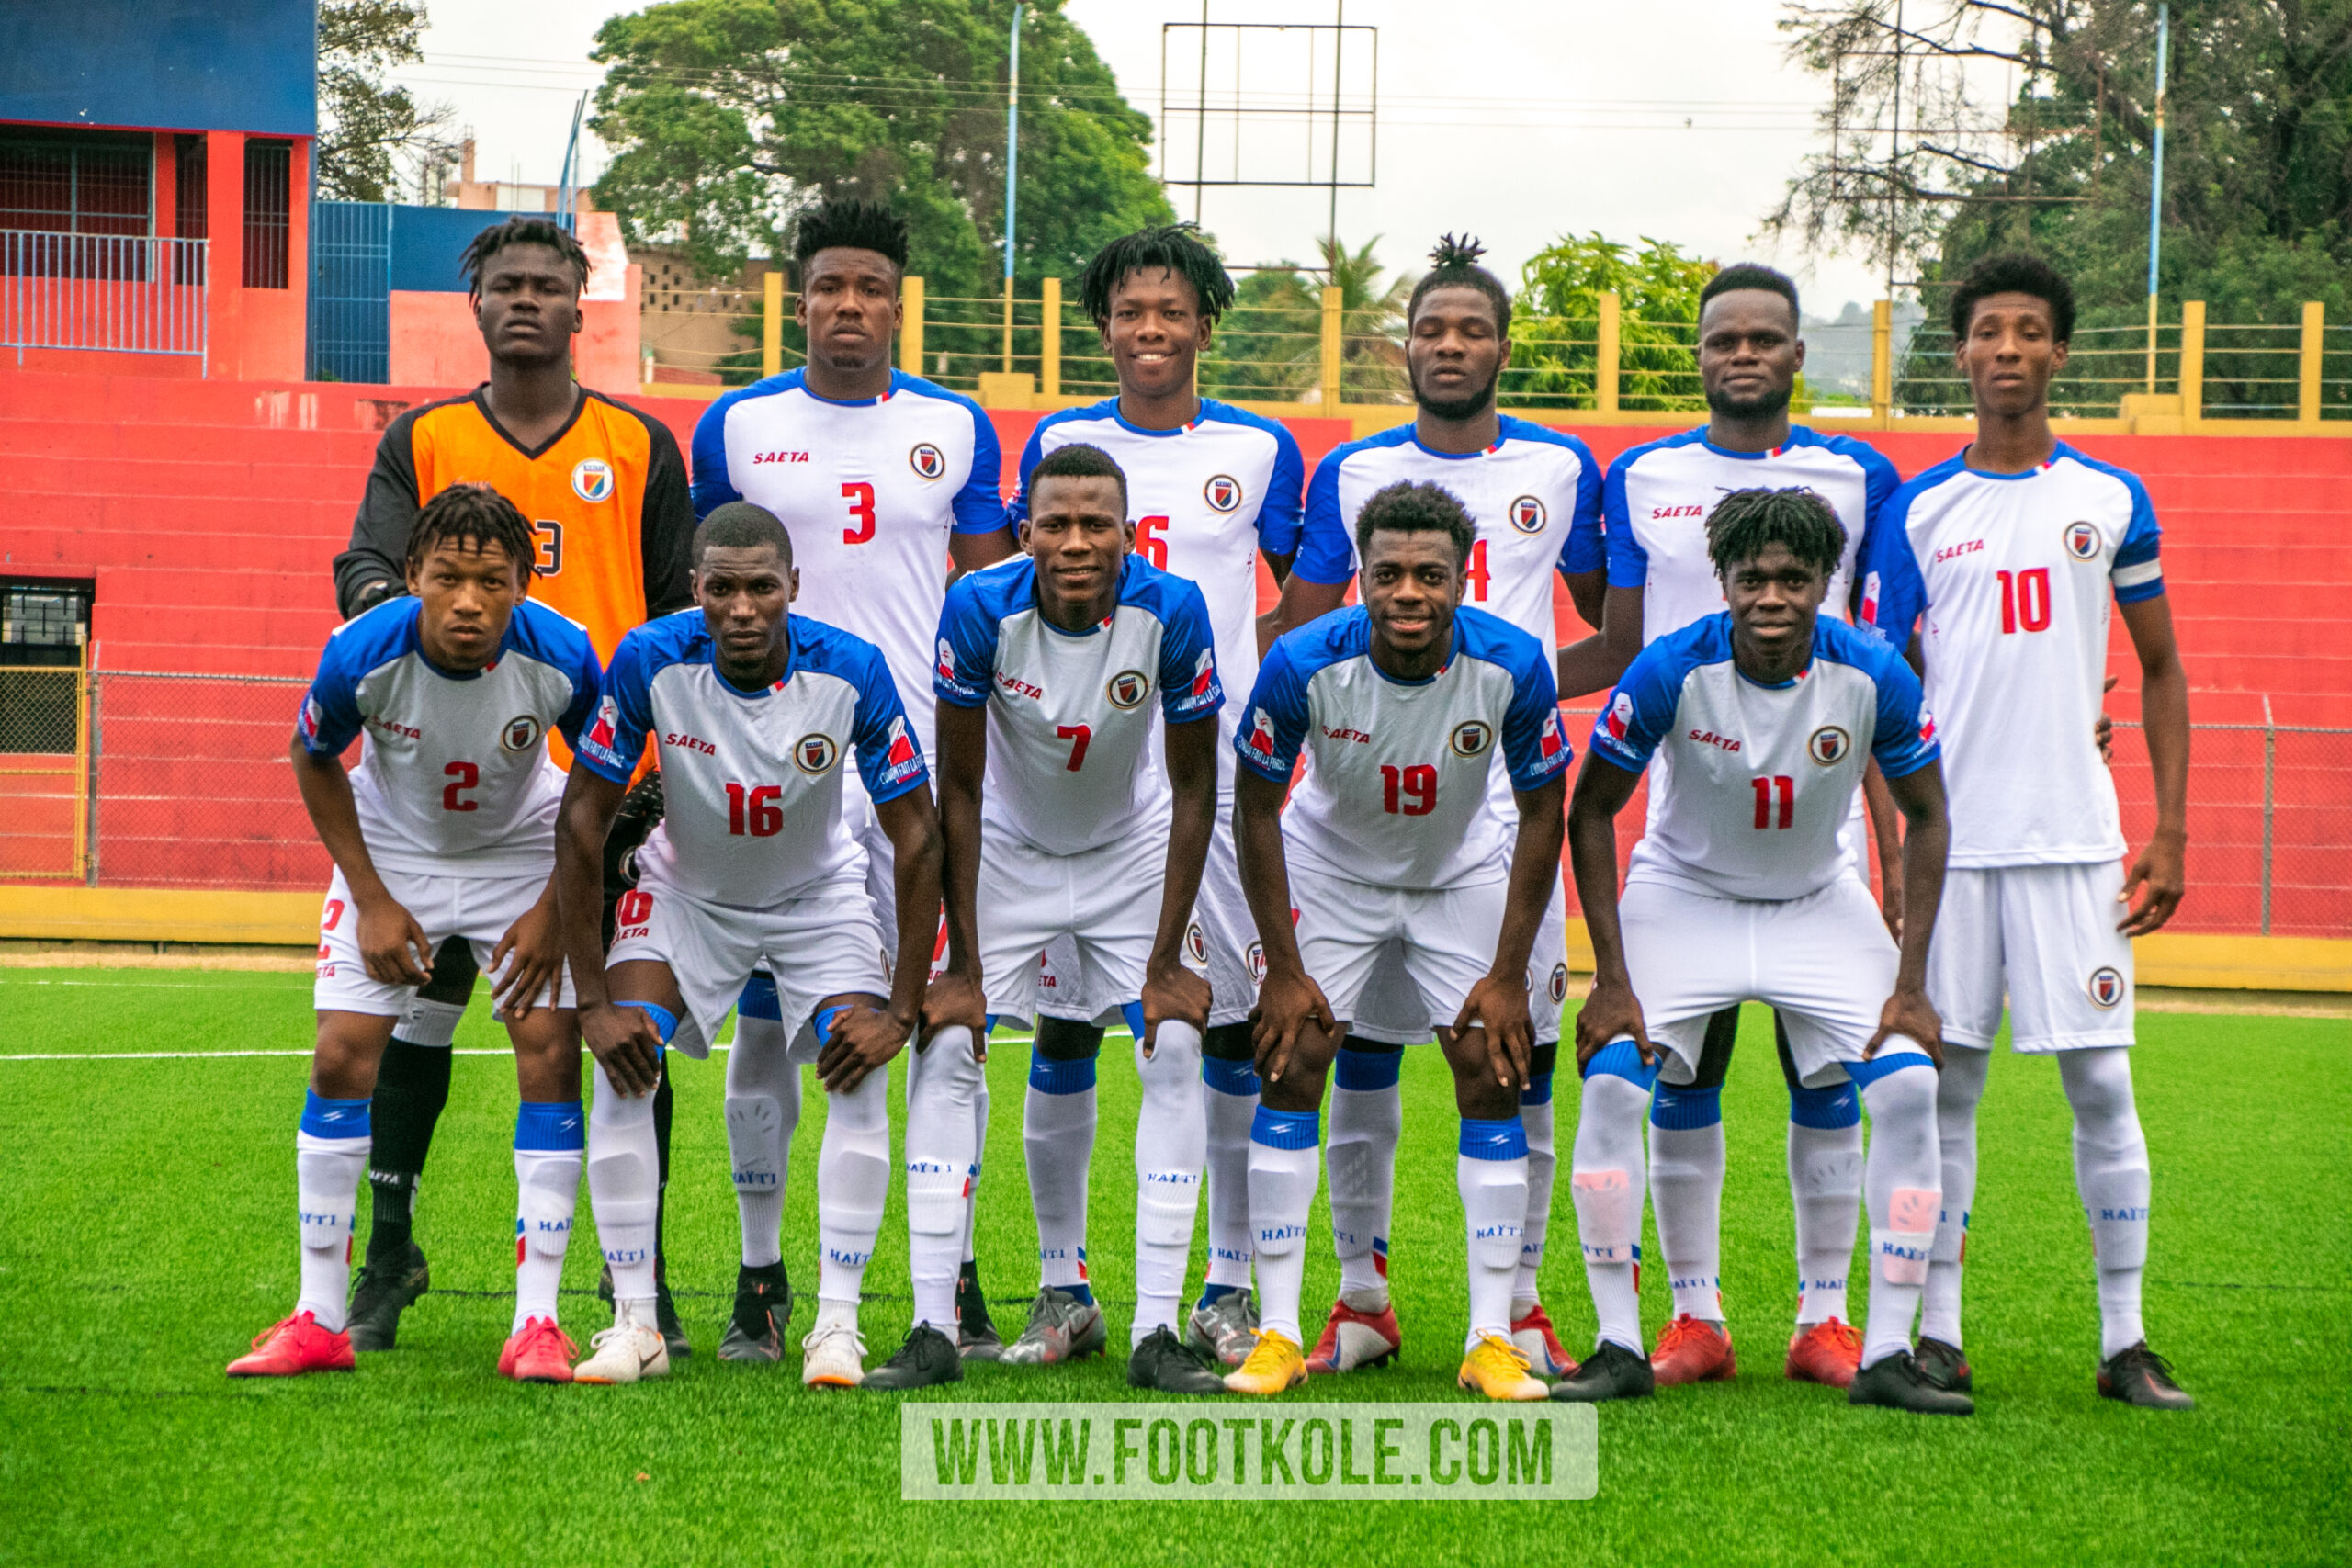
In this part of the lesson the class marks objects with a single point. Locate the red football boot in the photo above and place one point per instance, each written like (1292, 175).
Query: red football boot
(1828, 1353)
(1690, 1351)
(1546, 1356)
(292, 1346)
(1352, 1339)
(538, 1352)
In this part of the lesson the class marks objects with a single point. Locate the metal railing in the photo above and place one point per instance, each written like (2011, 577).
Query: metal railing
(115, 293)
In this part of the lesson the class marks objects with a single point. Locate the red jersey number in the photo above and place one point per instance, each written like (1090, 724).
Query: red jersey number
(860, 496)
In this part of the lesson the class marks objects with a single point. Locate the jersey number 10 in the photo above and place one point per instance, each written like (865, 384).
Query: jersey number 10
(2025, 600)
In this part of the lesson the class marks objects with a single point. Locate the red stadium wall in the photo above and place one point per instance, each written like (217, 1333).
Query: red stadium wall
(206, 513)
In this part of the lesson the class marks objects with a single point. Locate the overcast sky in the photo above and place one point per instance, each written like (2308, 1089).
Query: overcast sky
(1515, 119)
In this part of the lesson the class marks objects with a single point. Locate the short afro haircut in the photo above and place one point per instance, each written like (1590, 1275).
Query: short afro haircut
(472, 517)
(1751, 274)
(522, 231)
(2013, 273)
(739, 525)
(851, 225)
(1079, 461)
(1455, 264)
(1745, 521)
(1409, 508)
(1176, 247)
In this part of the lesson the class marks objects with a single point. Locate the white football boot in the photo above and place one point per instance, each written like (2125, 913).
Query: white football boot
(626, 1352)
(833, 1356)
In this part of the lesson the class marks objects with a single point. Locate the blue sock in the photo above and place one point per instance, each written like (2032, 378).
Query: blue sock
(665, 1023)
(325, 1117)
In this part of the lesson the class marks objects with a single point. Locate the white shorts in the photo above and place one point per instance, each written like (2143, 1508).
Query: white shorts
(1823, 962)
(480, 908)
(1391, 1012)
(1443, 940)
(1100, 906)
(823, 944)
(2044, 933)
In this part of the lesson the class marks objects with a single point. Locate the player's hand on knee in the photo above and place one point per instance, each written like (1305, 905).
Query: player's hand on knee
(1911, 1015)
(864, 1038)
(1499, 1005)
(2162, 872)
(1172, 991)
(956, 1000)
(626, 1044)
(393, 946)
(1287, 1001)
(1612, 1012)
(536, 945)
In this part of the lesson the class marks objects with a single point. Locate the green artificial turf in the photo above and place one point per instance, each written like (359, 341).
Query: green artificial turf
(147, 1232)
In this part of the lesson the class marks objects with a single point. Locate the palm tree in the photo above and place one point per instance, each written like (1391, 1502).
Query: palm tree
(1269, 345)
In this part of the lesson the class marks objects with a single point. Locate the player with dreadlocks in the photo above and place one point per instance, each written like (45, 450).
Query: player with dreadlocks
(884, 479)
(443, 833)
(1212, 491)
(1533, 495)
(612, 528)
(1741, 890)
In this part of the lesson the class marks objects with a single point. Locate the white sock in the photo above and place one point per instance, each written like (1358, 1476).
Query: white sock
(1960, 1087)
(549, 1137)
(330, 1162)
(1283, 1167)
(1491, 1173)
(1826, 1189)
(1171, 1146)
(1606, 1178)
(1686, 1195)
(852, 1185)
(624, 1186)
(1900, 1179)
(941, 1082)
(2111, 1174)
(1542, 1164)
(979, 1157)
(1058, 1135)
(1367, 1120)
(1231, 1094)
(763, 1113)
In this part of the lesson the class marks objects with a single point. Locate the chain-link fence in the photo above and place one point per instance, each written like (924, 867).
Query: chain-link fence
(133, 779)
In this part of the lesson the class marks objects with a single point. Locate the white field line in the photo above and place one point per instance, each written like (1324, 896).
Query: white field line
(227, 1056)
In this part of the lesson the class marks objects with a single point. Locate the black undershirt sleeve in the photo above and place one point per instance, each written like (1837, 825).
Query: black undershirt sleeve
(666, 531)
(372, 570)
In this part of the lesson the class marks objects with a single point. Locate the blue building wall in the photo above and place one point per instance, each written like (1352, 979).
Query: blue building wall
(247, 65)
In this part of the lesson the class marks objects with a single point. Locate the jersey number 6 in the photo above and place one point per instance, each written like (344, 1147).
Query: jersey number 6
(860, 496)
(1148, 542)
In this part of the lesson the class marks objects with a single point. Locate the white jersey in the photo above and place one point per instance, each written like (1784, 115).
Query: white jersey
(1071, 714)
(2014, 573)
(870, 491)
(752, 780)
(1398, 793)
(456, 777)
(1655, 503)
(1761, 778)
(1205, 498)
(1534, 496)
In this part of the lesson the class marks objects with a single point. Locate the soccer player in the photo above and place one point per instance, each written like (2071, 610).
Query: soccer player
(1533, 495)
(2011, 552)
(1212, 489)
(1060, 824)
(1742, 888)
(754, 860)
(883, 479)
(446, 829)
(1660, 578)
(606, 491)
(1400, 705)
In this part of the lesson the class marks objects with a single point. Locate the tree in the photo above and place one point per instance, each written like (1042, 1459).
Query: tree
(727, 116)
(1555, 318)
(370, 134)
(1269, 347)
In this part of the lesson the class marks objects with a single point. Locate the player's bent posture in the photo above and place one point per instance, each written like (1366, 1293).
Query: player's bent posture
(884, 478)
(1213, 489)
(1401, 707)
(605, 492)
(2012, 552)
(1055, 674)
(757, 711)
(446, 829)
(1533, 495)
(1740, 890)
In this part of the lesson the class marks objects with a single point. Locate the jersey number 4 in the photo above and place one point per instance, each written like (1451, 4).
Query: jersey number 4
(1408, 792)
(754, 811)
(860, 496)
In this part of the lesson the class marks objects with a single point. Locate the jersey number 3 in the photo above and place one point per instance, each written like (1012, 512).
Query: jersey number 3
(860, 496)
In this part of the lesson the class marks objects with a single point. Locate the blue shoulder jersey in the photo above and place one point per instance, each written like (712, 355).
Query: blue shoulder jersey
(456, 777)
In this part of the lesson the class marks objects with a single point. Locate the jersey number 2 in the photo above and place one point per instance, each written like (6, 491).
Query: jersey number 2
(462, 776)
(1408, 792)
(860, 496)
